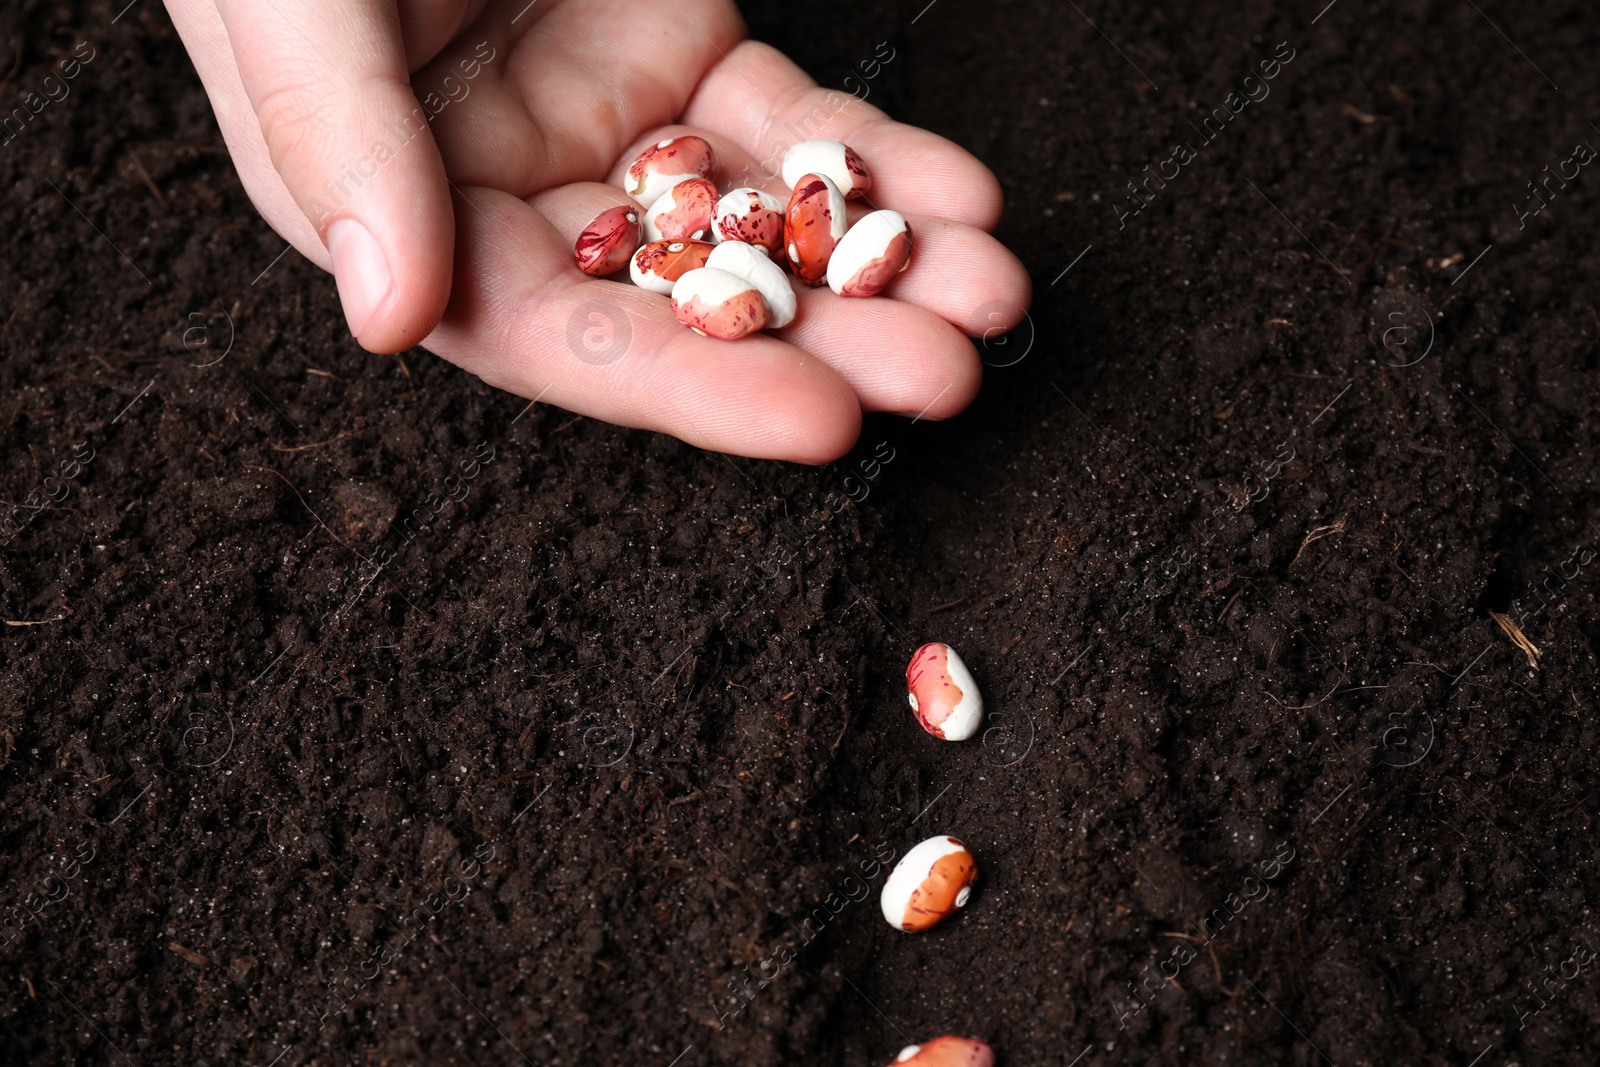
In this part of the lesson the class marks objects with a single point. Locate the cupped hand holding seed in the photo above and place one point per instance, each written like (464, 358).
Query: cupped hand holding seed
(458, 233)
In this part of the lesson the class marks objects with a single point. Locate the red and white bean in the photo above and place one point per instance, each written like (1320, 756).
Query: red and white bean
(665, 164)
(943, 695)
(605, 244)
(833, 160)
(751, 216)
(947, 1051)
(814, 224)
(752, 264)
(683, 212)
(659, 264)
(876, 249)
(718, 304)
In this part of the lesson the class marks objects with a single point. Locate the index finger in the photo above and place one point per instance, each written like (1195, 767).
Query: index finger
(756, 97)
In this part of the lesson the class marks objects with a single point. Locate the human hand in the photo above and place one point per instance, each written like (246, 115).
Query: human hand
(458, 233)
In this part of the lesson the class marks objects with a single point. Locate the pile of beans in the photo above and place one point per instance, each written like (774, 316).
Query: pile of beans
(720, 256)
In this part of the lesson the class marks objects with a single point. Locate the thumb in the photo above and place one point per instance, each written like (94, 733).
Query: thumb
(329, 85)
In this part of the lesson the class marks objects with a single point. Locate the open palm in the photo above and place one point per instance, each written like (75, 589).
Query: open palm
(457, 232)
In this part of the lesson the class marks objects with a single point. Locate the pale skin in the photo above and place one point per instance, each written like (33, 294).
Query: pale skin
(459, 237)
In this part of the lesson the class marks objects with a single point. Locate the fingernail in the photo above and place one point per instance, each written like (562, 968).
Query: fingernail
(360, 270)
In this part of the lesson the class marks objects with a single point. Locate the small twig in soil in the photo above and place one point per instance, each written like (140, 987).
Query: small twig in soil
(1212, 949)
(33, 622)
(1518, 638)
(150, 183)
(190, 954)
(842, 731)
(1357, 114)
(947, 607)
(315, 445)
(1304, 707)
(1316, 535)
(1224, 612)
(313, 514)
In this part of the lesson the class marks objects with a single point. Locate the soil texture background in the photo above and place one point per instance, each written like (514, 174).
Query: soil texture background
(1272, 542)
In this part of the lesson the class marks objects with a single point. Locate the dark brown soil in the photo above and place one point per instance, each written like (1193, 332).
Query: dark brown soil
(613, 736)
